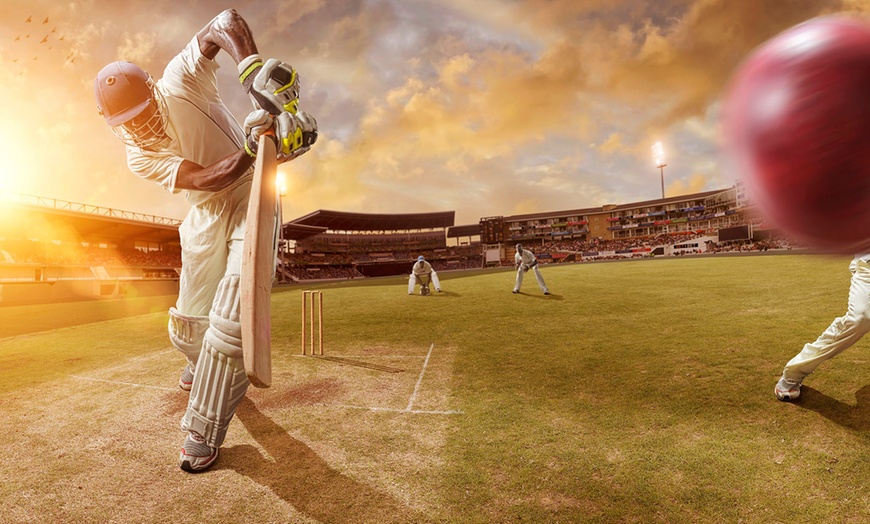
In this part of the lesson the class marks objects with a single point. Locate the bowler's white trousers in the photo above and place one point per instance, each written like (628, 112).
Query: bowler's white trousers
(843, 331)
(538, 276)
(413, 279)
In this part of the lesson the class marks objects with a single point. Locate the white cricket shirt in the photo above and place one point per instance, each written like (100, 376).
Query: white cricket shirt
(422, 268)
(200, 127)
(526, 258)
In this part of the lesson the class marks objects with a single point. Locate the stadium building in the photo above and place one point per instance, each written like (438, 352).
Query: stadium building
(57, 251)
(685, 223)
(362, 245)
(52, 250)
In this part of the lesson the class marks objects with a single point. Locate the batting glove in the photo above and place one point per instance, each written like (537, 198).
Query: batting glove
(272, 85)
(256, 124)
(296, 134)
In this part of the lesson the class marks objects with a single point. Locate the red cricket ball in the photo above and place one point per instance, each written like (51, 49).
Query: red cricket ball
(796, 124)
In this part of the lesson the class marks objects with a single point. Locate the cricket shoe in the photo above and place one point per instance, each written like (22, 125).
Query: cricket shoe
(185, 381)
(196, 455)
(787, 391)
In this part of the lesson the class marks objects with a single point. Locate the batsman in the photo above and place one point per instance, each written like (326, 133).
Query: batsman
(179, 134)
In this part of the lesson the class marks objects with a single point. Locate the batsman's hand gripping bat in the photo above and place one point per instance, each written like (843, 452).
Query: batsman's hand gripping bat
(257, 267)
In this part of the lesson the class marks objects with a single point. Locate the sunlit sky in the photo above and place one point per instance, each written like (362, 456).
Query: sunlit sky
(485, 107)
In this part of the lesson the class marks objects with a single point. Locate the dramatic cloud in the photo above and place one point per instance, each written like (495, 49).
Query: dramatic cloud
(492, 107)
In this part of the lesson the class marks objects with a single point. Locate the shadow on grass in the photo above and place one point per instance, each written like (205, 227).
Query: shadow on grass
(551, 296)
(359, 363)
(856, 417)
(304, 480)
(442, 294)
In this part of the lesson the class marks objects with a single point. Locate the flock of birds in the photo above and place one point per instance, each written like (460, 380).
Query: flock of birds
(47, 39)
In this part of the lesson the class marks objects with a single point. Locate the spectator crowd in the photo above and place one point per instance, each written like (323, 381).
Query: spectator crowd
(70, 254)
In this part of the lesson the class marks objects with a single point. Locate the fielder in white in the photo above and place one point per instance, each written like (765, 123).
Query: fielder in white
(179, 134)
(423, 273)
(526, 260)
(843, 332)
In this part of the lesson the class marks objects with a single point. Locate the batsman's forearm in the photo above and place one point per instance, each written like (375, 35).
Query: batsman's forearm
(213, 177)
(230, 32)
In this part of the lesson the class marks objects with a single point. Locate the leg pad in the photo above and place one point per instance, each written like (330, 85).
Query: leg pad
(186, 333)
(220, 382)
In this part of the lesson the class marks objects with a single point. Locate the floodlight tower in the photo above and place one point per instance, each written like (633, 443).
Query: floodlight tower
(281, 183)
(658, 152)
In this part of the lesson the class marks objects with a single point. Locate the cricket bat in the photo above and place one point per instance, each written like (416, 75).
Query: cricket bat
(257, 267)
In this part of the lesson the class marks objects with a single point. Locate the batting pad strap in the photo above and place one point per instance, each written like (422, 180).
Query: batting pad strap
(186, 333)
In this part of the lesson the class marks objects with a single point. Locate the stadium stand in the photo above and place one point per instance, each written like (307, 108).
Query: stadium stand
(353, 245)
(54, 250)
(106, 251)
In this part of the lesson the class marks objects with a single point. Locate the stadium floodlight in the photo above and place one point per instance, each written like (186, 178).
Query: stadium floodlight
(658, 153)
(281, 182)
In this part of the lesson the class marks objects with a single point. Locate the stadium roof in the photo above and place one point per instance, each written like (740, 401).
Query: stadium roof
(471, 230)
(667, 200)
(345, 221)
(614, 207)
(546, 214)
(37, 221)
(291, 231)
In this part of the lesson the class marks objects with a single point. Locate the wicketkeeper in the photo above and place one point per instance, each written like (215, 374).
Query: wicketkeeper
(423, 273)
(180, 135)
(526, 260)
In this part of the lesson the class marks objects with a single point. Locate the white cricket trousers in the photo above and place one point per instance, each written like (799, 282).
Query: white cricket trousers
(538, 276)
(843, 331)
(412, 281)
(212, 237)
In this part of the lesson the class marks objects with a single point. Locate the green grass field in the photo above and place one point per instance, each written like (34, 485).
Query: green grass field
(639, 391)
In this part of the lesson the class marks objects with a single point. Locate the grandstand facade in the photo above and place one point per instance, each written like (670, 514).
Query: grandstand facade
(674, 225)
(662, 223)
(707, 212)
